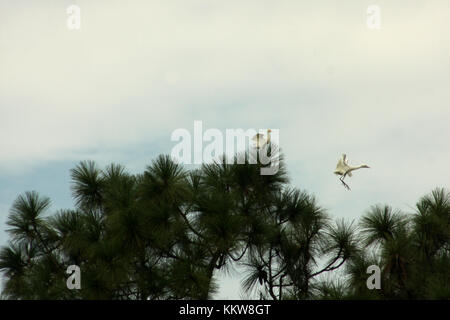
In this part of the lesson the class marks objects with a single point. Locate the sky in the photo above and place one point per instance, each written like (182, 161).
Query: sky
(115, 90)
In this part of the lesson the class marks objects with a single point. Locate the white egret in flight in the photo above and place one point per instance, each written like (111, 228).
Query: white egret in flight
(343, 169)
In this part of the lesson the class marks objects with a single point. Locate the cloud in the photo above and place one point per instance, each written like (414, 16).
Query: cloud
(137, 71)
(116, 89)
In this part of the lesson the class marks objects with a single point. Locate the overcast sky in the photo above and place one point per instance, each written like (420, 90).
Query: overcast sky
(115, 90)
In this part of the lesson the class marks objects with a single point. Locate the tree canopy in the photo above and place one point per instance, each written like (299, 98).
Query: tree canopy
(166, 232)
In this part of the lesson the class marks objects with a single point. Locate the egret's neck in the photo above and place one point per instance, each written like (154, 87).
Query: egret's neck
(360, 166)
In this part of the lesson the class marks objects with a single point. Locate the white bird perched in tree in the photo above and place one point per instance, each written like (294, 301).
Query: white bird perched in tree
(260, 140)
(343, 169)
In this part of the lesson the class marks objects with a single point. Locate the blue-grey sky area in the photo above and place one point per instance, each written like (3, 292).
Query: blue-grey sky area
(115, 90)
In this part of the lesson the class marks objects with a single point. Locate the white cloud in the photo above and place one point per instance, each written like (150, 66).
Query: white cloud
(138, 70)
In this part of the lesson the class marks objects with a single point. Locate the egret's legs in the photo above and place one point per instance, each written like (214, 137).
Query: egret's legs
(345, 185)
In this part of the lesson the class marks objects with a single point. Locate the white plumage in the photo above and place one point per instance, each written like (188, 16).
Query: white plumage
(343, 169)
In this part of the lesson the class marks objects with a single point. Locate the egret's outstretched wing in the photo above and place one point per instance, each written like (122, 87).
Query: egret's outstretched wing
(344, 159)
(340, 164)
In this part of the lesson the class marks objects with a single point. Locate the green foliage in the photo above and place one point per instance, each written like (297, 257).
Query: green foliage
(164, 234)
